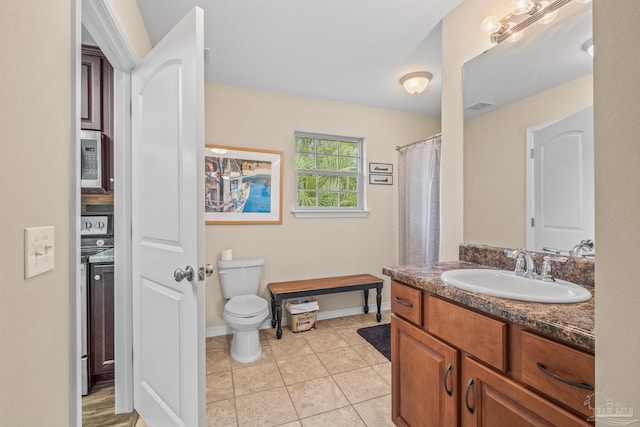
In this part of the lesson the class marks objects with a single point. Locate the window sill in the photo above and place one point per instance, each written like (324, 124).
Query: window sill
(309, 213)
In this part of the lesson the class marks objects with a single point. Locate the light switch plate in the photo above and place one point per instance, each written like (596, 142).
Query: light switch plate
(38, 250)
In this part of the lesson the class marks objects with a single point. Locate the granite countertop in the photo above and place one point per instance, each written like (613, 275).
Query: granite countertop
(102, 257)
(571, 323)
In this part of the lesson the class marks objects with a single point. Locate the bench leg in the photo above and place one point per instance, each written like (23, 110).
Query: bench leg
(279, 318)
(366, 301)
(379, 302)
(273, 311)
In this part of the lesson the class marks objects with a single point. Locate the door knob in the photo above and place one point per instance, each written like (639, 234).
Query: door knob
(181, 274)
(207, 270)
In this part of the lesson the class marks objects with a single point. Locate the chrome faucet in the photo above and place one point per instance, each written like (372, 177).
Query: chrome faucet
(582, 249)
(525, 264)
(546, 267)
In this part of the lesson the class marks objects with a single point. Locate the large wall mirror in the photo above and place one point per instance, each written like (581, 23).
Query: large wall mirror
(528, 137)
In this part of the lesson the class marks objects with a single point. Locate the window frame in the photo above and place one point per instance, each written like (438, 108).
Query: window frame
(332, 211)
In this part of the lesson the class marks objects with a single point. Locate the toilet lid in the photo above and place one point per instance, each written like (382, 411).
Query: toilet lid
(245, 306)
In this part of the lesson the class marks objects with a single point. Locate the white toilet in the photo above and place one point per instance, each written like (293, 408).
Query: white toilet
(245, 311)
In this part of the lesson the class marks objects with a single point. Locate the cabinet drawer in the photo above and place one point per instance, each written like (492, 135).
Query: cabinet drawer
(406, 302)
(478, 335)
(561, 372)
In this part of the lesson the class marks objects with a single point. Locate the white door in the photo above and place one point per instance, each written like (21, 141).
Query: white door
(168, 228)
(562, 183)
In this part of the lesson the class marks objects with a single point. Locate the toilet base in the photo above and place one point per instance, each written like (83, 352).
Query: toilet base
(245, 346)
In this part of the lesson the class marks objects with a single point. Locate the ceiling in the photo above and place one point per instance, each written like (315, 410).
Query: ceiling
(351, 51)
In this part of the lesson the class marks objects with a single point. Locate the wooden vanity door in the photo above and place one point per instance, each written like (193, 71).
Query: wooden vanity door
(490, 400)
(423, 377)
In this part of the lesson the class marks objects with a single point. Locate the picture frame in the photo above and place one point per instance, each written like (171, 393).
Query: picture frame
(242, 185)
(376, 179)
(381, 168)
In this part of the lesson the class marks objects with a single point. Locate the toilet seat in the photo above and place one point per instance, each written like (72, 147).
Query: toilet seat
(244, 306)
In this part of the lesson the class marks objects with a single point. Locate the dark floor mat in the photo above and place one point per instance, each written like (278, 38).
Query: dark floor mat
(378, 336)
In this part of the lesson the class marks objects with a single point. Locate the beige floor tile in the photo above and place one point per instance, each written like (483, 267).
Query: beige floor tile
(219, 386)
(270, 334)
(362, 384)
(218, 343)
(316, 396)
(266, 357)
(303, 368)
(256, 378)
(370, 354)
(341, 360)
(344, 417)
(222, 414)
(351, 336)
(265, 408)
(293, 424)
(291, 348)
(325, 340)
(141, 423)
(376, 412)
(384, 370)
(218, 360)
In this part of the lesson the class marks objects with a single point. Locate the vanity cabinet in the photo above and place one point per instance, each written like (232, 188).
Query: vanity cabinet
(454, 366)
(424, 378)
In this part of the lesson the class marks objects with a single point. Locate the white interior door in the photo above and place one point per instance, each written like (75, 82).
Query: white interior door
(562, 183)
(168, 227)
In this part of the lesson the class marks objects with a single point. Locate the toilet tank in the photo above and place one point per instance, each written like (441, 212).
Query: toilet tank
(240, 276)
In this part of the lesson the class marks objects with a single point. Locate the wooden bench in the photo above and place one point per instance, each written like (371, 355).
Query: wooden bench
(328, 285)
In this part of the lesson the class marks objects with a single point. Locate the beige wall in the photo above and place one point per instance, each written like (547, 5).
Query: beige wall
(128, 15)
(304, 247)
(34, 188)
(495, 162)
(617, 152)
(461, 41)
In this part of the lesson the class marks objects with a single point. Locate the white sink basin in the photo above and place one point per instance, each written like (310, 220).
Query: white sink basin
(505, 284)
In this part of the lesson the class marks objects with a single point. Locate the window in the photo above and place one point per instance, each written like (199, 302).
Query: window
(329, 177)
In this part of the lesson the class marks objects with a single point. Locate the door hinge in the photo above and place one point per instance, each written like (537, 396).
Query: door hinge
(532, 222)
(533, 151)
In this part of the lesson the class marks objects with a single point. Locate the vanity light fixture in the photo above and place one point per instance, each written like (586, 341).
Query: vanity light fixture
(415, 83)
(523, 13)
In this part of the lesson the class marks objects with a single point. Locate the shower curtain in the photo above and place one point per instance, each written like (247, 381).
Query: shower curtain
(419, 202)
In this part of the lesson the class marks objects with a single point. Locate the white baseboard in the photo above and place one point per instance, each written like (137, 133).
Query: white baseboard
(216, 331)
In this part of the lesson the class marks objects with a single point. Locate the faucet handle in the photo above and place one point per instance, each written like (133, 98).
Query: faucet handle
(546, 267)
(511, 253)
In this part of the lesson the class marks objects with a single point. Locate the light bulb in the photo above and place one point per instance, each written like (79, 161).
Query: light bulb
(520, 7)
(515, 36)
(548, 17)
(490, 25)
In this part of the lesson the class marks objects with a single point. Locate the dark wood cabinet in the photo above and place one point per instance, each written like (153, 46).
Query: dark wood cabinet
(101, 322)
(423, 378)
(97, 108)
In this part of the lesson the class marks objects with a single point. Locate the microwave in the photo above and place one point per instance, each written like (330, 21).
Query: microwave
(91, 159)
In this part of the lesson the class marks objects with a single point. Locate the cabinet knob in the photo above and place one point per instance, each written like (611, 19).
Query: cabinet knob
(97, 277)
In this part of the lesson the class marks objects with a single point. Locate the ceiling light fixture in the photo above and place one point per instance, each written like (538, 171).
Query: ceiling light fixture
(417, 82)
(523, 13)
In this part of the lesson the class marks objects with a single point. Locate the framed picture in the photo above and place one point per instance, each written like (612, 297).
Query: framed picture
(381, 179)
(380, 168)
(242, 185)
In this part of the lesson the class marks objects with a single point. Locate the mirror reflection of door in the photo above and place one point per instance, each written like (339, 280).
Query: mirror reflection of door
(560, 182)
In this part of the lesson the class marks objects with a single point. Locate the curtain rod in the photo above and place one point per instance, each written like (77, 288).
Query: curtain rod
(400, 147)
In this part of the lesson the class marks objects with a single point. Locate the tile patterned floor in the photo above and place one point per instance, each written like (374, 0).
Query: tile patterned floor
(326, 377)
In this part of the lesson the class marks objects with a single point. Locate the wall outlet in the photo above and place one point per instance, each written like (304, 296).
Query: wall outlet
(38, 250)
